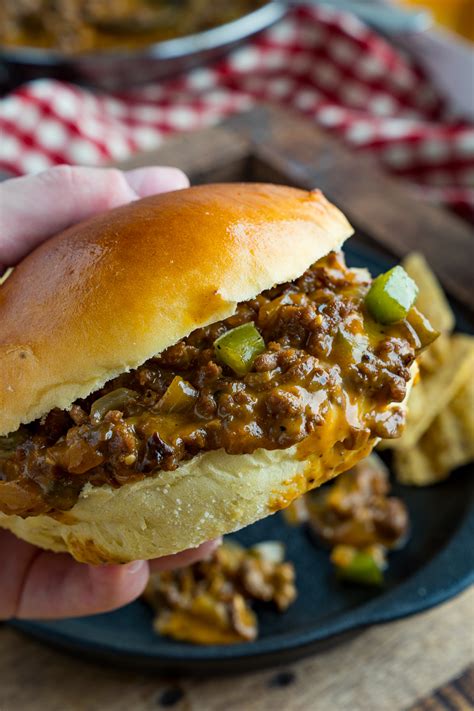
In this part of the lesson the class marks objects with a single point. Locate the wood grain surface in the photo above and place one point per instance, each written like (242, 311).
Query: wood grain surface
(268, 144)
(418, 663)
(457, 694)
(385, 668)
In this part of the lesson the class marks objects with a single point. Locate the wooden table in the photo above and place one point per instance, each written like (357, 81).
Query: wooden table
(386, 668)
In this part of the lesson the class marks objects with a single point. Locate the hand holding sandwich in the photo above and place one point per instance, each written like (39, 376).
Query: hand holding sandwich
(176, 368)
(35, 583)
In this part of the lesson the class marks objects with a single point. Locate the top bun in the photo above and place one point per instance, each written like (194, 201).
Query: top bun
(106, 295)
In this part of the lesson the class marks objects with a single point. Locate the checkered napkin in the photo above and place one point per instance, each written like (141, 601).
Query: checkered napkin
(324, 63)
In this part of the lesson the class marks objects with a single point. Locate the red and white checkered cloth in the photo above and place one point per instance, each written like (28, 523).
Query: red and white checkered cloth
(324, 63)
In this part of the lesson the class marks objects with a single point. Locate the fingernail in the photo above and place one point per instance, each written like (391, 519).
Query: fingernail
(134, 567)
(151, 180)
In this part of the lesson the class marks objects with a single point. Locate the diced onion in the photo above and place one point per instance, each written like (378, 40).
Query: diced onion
(179, 397)
(422, 327)
(115, 400)
(271, 551)
(10, 442)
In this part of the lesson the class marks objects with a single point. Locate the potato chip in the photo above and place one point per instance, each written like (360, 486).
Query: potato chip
(462, 406)
(433, 304)
(447, 444)
(431, 299)
(435, 355)
(435, 390)
(439, 435)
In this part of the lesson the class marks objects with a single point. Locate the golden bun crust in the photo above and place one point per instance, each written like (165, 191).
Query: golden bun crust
(105, 295)
(210, 495)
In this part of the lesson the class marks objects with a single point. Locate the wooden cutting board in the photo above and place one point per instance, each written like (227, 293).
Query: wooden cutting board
(424, 663)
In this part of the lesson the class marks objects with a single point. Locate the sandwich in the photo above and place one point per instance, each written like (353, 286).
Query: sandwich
(180, 367)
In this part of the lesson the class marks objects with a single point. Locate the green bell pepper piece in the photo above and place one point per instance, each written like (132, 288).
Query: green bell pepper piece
(391, 296)
(351, 346)
(358, 567)
(239, 347)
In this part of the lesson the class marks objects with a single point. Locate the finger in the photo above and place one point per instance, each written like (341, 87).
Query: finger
(16, 558)
(56, 586)
(37, 584)
(33, 208)
(152, 180)
(179, 560)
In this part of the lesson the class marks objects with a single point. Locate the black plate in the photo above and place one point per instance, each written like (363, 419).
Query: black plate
(436, 564)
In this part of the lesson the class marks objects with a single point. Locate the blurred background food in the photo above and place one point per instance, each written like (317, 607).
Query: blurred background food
(84, 25)
(210, 602)
(359, 521)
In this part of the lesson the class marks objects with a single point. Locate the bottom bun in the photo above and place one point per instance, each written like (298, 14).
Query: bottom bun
(210, 495)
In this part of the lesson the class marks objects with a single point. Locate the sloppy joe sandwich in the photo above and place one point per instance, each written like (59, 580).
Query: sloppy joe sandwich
(184, 365)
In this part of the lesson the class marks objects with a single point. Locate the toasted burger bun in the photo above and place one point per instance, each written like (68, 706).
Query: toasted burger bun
(210, 495)
(104, 296)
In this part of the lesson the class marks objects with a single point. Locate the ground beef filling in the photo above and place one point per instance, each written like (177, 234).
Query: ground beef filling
(321, 350)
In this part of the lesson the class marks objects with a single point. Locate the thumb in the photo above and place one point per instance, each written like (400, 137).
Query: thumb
(35, 207)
